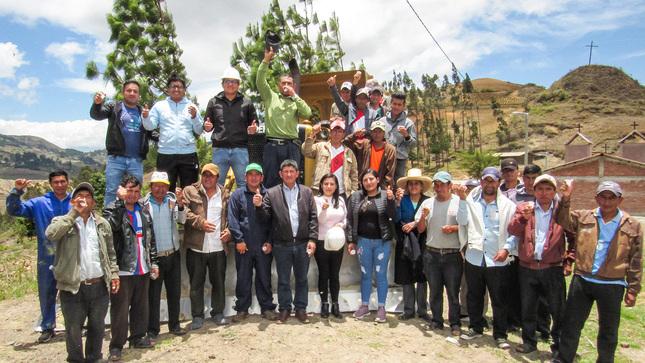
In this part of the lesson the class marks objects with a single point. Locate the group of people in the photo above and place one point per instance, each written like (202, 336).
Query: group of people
(515, 241)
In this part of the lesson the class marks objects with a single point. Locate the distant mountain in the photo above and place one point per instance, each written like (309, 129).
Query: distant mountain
(34, 158)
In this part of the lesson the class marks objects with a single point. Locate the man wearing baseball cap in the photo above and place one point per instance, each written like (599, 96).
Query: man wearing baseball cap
(401, 133)
(205, 233)
(166, 209)
(544, 260)
(358, 115)
(608, 266)
(332, 157)
(486, 213)
(374, 153)
(376, 97)
(345, 95)
(510, 174)
(232, 118)
(253, 247)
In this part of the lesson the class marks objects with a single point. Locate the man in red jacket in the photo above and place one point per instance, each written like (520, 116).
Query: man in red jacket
(541, 251)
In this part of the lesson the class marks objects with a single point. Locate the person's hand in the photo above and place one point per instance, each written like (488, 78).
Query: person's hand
(403, 131)
(80, 205)
(566, 189)
(399, 194)
(359, 133)
(449, 229)
(338, 225)
(351, 248)
(289, 90)
(425, 212)
(208, 125)
(267, 248)
(527, 210)
(116, 283)
(389, 192)
(253, 128)
(21, 184)
(460, 190)
(567, 270)
(409, 227)
(331, 82)
(314, 131)
(268, 54)
(357, 77)
(145, 112)
(325, 205)
(241, 248)
(225, 236)
(193, 111)
(154, 273)
(208, 227)
(630, 299)
(121, 193)
(257, 198)
(501, 255)
(99, 97)
(311, 248)
(180, 197)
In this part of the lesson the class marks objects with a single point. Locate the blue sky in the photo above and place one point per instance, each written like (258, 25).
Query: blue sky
(44, 46)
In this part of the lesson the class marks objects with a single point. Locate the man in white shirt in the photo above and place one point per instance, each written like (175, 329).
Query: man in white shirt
(206, 231)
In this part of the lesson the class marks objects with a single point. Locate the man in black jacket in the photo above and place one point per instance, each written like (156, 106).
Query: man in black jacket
(231, 117)
(136, 256)
(291, 209)
(126, 140)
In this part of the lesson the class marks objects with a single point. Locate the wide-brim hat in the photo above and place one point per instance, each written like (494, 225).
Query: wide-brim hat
(415, 174)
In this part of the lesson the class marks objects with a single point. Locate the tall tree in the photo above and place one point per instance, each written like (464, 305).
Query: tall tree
(145, 48)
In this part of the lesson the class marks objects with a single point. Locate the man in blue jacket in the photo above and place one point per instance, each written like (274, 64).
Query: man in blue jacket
(178, 121)
(253, 247)
(43, 209)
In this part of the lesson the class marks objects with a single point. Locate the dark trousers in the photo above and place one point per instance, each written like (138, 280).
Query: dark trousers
(196, 264)
(328, 272)
(548, 282)
(91, 302)
(132, 301)
(514, 315)
(582, 294)
(288, 258)
(253, 259)
(184, 166)
(400, 169)
(273, 156)
(496, 280)
(169, 275)
(444, 271)
(415, 294)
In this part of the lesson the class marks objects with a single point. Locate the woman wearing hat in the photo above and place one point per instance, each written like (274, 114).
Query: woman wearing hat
(408, 267)
(332, 215)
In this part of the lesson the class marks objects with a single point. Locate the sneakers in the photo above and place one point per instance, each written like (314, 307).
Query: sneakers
(240, 316)
(220, 319)
(471, 334)
(380, 315)
(362, 312)
(269, 315)
(502, 343)
(196, 323)
(46, 335)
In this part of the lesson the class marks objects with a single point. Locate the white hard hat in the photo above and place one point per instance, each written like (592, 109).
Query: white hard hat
(334, 239)
(231, 73)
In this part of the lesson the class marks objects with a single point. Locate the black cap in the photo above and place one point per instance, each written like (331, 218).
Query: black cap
(509, 163)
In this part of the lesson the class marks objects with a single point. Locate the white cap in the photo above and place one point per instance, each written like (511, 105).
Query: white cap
(231, 73)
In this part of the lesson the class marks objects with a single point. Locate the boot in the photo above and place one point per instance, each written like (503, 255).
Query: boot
(324, 311)
(335, 311)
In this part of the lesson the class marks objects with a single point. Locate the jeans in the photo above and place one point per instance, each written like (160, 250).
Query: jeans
(328, 272)
(444, 271)
(253, 259)
(91, 302)
(236, 158)
(184, 166)
(286, 258)
(116, 168)
(273, 156)
(582, 295)
(169, 275)
(415, 294)
(46, 287)
(496, 280)
(131, 300)
(196, 264)
(373, 254)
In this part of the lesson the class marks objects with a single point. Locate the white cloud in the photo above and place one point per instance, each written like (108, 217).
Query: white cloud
(80, 134)
(85, 85)
(24, 91)
(65, 52)
(28, 83)
(10, 59)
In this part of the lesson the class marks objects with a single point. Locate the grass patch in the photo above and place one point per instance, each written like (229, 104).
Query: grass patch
(376, 345)
(18, 269)
(229, 334)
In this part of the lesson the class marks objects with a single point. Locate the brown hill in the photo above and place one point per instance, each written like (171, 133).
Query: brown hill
(494, 85)
(600, 81)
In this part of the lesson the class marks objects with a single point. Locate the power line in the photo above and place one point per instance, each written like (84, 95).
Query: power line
(435, 40)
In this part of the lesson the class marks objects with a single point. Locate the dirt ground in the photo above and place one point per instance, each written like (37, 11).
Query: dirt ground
(346, 340)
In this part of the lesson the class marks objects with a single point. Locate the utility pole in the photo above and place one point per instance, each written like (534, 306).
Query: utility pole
(591, 47)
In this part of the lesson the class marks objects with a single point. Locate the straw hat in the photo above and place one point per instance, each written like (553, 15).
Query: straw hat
(415, 174)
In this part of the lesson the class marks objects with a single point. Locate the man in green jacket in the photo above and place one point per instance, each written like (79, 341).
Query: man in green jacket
(85, 269)
(283, 111)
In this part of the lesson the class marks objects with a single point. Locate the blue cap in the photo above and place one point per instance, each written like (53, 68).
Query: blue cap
(442, 176)
(492, 172)
(472, 182)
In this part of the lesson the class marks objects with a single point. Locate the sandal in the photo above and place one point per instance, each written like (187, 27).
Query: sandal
(115, 355)
(525, 348)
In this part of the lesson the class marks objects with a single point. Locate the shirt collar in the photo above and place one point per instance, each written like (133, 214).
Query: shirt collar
(616, 219)
(286, 189)
(165, 199)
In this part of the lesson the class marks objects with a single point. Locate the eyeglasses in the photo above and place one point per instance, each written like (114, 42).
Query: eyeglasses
(174, 86)
(229, 81)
